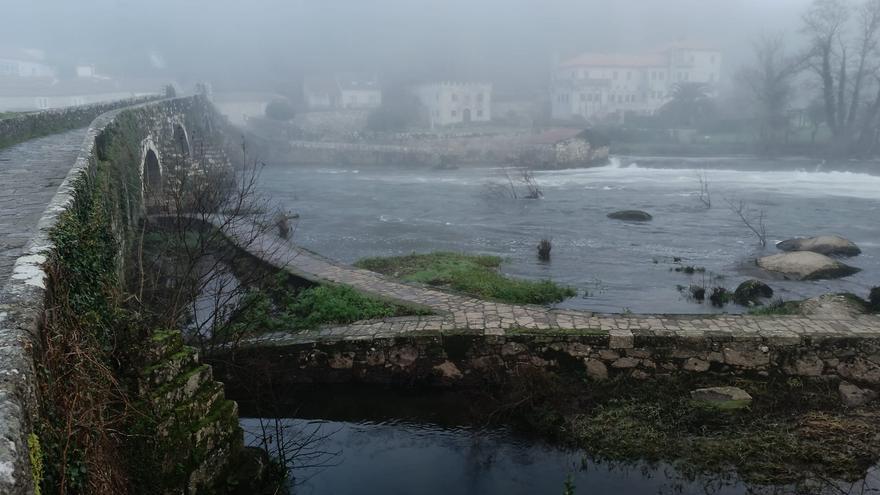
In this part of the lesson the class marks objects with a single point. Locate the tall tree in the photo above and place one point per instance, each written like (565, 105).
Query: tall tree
(843, 40)
(770, 84)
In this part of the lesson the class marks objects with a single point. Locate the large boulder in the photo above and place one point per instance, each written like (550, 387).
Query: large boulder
(805, 265)
(750, 293)
(834, 306)
(631, 216)
(823, 244)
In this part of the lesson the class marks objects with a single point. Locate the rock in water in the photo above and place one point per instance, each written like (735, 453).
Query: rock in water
(823, 244)
(722, 397)
(631, 216)
(805, 265)
(834, 306)
(750, 293)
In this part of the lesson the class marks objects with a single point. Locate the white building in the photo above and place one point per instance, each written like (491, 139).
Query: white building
(603, 86)
(16, 62)
(342, 91)
(447, 103)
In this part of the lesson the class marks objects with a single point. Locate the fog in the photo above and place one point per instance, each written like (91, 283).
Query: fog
(264, 43)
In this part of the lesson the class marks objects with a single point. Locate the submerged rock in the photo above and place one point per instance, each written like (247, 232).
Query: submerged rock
(722, 397)
(834, 306)
(853, 396)
(631, 216)
(874, 299)
(750, 293)
(823, 244)
(805, 265)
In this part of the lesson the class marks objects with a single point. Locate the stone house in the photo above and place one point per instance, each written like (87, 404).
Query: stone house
(449, 103)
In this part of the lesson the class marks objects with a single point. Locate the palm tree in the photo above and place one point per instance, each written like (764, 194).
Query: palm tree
(690, 103)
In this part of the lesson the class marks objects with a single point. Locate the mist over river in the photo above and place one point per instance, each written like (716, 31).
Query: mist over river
(348, 213)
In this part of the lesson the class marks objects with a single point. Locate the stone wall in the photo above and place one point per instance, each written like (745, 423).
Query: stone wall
(32, 125)
(450, 359)
(118, 139)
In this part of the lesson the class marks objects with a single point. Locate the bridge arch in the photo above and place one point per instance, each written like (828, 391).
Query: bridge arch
(151, 170)
(181, 139)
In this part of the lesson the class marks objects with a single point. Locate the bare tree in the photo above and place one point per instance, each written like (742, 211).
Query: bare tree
(192, 276)
(533, 189)
(751, 218)
(705, 195)
(770, 85)
(844, 55)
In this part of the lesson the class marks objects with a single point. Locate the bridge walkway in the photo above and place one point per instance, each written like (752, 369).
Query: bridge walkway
(462, 314)
(30, 173)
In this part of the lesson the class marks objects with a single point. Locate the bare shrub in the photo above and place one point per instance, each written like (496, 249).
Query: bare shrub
(705, 195)
(544, 248)
(753, 219)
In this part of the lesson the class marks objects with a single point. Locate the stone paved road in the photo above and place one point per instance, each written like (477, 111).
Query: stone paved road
(457, 313)
(30, 173)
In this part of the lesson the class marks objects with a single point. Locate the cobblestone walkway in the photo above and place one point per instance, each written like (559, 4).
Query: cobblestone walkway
(30, 173)
(460, 314)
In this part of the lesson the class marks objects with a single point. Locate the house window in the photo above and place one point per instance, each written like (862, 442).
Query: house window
(712, 59)
(479, 113)
(454, 97)
(614, 75)
(583, 97)
(453, 113)
(628, 75)
(480, 97)
(662, 75)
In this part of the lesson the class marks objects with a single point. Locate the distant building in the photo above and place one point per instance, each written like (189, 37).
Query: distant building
(342, 91)
(241, 107)
(598, 87)
(24, 63)
(448, 103)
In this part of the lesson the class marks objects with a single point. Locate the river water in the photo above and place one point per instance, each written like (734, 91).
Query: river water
(349, 213)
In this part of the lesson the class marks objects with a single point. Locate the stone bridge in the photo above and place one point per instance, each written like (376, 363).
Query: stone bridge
(138, 148)
(463, 339)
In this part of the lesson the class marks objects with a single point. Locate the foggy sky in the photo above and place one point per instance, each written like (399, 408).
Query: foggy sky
(256, 44)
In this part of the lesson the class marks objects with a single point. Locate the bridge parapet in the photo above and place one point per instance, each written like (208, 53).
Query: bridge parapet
(118, 168)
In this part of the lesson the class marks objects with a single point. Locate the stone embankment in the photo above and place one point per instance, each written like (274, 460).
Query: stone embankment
(469, 339)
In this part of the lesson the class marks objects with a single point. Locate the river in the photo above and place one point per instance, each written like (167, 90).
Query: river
(349, 213)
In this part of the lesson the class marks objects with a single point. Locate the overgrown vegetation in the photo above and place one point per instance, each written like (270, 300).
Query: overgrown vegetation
(280, 308)
(473, 275)
(795, 432)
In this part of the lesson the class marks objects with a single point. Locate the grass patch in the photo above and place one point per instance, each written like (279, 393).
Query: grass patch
(473, 275)
(278, 308)
(778, 308)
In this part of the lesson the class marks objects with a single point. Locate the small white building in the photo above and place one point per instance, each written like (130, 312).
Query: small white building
(449, 103)
(24, 63)
(595, 86)
(342, 91)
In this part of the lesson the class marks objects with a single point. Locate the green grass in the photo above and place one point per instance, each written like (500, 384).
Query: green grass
(282, 309)
(473, 275)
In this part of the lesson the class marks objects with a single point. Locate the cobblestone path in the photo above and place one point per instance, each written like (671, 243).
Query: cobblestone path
(461, 314)
(30, 173)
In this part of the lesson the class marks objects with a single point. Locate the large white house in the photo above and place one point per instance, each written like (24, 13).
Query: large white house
(596, 86)
(447, 103)
(342, 91)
